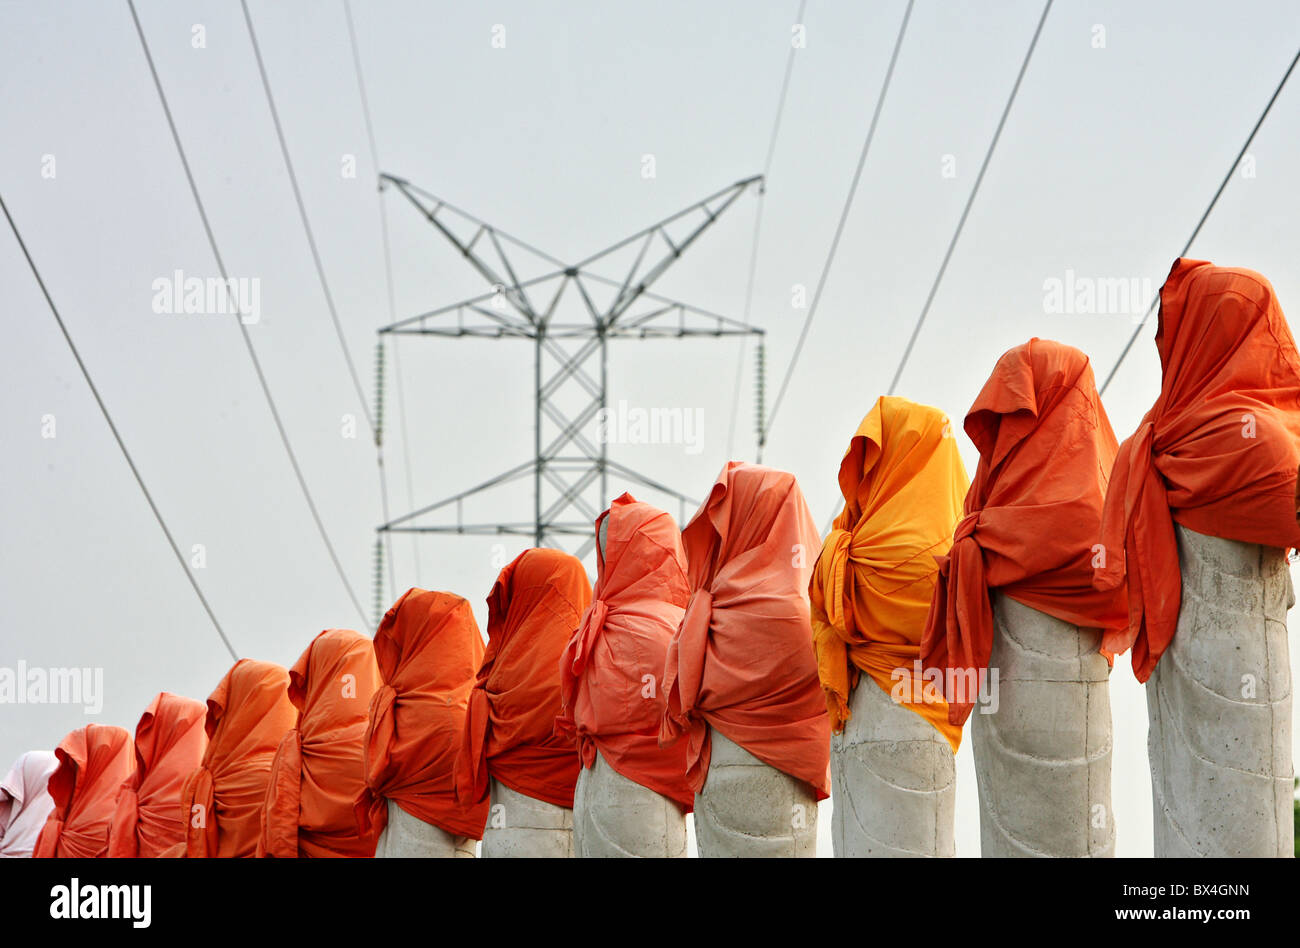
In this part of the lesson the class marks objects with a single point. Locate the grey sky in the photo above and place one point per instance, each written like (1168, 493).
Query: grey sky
(1107, 160)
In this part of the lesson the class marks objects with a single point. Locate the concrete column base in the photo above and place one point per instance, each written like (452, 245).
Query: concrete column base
(894, 781)
(407, 837)
(614, 817)
(520, 827)
(749, 809)
(1043, 758)
(1219, 703)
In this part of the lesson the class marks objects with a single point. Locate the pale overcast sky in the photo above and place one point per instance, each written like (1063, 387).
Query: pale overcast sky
(1108, 158)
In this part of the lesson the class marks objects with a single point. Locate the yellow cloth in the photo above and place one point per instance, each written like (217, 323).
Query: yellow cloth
(903, 483)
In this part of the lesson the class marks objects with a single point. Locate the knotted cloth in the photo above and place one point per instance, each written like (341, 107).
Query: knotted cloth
(533, 610)
(1218, 451)
(317, 774)
(612, 670)
(169, 743)
(248, 715)
(1033, 514)
(94, 762)
(429, 649)
(742, 659)
(903, 482)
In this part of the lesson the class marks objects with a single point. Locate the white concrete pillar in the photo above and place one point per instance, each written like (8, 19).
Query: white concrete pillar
(1219, 703)
(1042, 758)
(520, 827)
(614, 817)
(893, 781)
(747, 808)
(409, 837)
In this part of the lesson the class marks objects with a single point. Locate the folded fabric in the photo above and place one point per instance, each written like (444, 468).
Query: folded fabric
(94, 762)
(903, 481)
(534, 607)
(248, 715)
(429, 650)
(1218, 451)
(318, 771)
(612, 670)
(169, 743)
(1033, 513)
(25, 802)
(742, 660)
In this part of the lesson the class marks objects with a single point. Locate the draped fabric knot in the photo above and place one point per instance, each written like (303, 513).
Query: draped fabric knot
(471, 772)
(903, 485)
(371, 810)
(122, 840)
(959, 629)
(833, 567)
(1139, 521)
(686, 665)
(47, 844)
(1139, 477)
(682, 678)
(198, 801)
(380, 732)
(279, 839)
(579, 651)
(966, 527)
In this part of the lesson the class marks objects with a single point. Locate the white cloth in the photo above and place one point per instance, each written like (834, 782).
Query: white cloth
(25, 802)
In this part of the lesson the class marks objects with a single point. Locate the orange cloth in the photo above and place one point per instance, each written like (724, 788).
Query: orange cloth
(94, 761)
(612, 669)
(169, 743)
(1033, 515)
(533, 609)
(429, 650)
(742, 659)
(1217, 452)
(318, 772)
(903, 481)
(248, 715)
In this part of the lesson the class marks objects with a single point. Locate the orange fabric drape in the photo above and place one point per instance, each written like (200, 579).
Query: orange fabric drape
(247, 717)
(429, 650)
(318, 772)
(1217, 452)
(169, 743)
(1033, 514)
(94, 762)
(533, 609)
(903, 481)
(742, 660)
(612, 668)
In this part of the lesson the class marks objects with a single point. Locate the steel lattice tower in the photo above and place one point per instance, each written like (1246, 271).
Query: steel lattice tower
(570, 331)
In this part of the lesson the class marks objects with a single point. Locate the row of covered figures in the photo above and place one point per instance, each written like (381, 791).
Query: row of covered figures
(732, 670)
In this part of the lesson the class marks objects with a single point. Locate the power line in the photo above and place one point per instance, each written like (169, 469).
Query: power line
(392, 317)
(171, 541)
(970, 200)
(371, 420)
(1201, 223)
(306, 223)
(839, 228)
(758, 226)
(248, 342)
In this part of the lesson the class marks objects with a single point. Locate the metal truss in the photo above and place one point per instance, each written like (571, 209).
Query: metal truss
(570, 312)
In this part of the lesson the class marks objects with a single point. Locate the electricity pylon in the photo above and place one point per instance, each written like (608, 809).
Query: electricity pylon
(570, 313)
